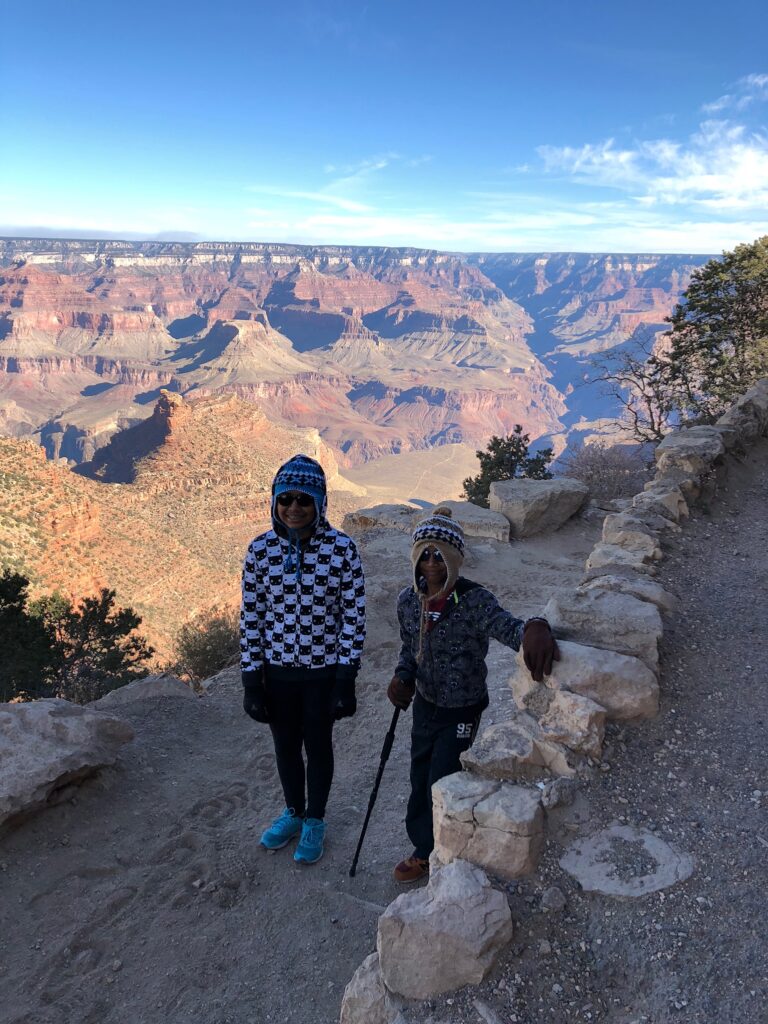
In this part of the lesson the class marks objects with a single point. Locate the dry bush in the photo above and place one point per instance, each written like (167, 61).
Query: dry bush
(610, 471)
(207, 644)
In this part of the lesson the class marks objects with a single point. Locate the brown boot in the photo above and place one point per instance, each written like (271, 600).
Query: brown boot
(411, 869)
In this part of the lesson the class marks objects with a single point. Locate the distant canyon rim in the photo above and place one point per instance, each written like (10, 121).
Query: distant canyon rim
(382, 350)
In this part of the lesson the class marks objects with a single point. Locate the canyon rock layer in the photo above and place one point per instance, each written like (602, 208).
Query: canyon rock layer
(383, 350)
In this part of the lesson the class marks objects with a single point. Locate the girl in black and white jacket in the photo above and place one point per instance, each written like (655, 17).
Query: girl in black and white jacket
(302, 627)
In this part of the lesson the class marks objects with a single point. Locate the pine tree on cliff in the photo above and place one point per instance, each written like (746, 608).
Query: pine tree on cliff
(719, 336)
(25, 642)
(506, 458)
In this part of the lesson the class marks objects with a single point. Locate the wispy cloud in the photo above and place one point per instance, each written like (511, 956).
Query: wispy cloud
(746, 91)
(721, 166)
(322, 197)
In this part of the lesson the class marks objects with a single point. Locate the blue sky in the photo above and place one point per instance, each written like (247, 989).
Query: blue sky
(467, 126)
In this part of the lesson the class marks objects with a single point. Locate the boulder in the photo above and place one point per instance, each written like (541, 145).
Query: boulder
(516, 750)
(603, 618)
(748, 416)
(662, 499)
(576, 721)
(690, 450)
(625, 687)
(603, 555)
(366, 999)
(382, 517)
(498, 826)
(46, 745)
(537, 506)
(638, 586)
(625, 531)
(445, 935)
(165, 685)
(476, 521)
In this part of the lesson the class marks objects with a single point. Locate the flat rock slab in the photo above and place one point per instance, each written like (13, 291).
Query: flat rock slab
(626, 861)
(603, 618)
(623, 685)
(382, 517)
(537, 506)
(165, 685)
(476, 521)
(48, 744)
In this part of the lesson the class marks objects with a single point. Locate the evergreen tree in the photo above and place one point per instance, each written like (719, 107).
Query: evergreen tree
(96, 647)
(26, 664)
(506, 458)
(719, 335)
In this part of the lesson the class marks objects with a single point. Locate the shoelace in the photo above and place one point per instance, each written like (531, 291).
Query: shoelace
(286, 818)
(314, 834)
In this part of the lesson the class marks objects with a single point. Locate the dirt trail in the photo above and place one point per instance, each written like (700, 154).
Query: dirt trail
(697, 777)
(147, 899)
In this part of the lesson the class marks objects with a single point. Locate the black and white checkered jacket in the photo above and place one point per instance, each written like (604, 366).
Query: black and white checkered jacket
(314, 621)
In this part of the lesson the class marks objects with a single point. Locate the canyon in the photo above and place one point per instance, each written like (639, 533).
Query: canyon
(148, 391)
(383, 350)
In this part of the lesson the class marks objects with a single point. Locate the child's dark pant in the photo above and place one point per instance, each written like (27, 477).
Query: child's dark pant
(438, 736)
(300, 720)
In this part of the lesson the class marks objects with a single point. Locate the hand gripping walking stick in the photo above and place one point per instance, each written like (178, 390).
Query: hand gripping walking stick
(389, 739)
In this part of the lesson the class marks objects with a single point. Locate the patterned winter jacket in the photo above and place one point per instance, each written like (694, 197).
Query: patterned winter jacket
(313, 621)
(452, 669)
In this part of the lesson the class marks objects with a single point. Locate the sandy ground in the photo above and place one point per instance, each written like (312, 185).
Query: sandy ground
(147, 899)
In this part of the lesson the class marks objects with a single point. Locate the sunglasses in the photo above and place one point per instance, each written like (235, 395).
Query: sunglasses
(426, 554)
(302, 500)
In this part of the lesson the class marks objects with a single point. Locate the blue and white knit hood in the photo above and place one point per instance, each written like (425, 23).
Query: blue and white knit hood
(301, 473)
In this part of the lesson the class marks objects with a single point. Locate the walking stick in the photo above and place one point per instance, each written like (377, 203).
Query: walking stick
(389, 739)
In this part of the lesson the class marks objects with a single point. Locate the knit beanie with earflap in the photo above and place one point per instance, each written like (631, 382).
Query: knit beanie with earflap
(439, 530)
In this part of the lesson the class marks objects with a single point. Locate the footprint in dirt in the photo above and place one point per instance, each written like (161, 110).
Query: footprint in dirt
(217, 810)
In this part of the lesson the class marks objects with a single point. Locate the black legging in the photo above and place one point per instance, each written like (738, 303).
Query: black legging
(300, 716)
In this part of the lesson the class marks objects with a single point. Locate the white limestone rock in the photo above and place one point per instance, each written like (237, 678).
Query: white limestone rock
(445, 935)
(576, 721)
(638, 586)
(689, 450)
(516, 750)
(632, 534)
(48, 744)
(366, 999)
(662, 499)
(476, 521)
(623, 685)
(382, 517)
(537, 506)
(748, 416)
(496, 825)
(164, 685)
(603, 555)
(608, 619)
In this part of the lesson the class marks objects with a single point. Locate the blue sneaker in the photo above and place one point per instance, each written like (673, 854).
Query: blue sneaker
(282, 830)
(310, 848)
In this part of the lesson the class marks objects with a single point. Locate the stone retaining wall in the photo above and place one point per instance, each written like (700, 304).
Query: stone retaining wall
(492, 815)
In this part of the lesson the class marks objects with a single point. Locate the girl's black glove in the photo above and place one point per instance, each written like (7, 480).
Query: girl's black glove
(343, 700)
(255, 696)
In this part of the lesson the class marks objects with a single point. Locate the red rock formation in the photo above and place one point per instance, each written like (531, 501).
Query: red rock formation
(381, 349)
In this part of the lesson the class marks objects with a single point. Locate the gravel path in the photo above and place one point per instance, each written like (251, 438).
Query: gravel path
(147, 900)
(696, 776)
